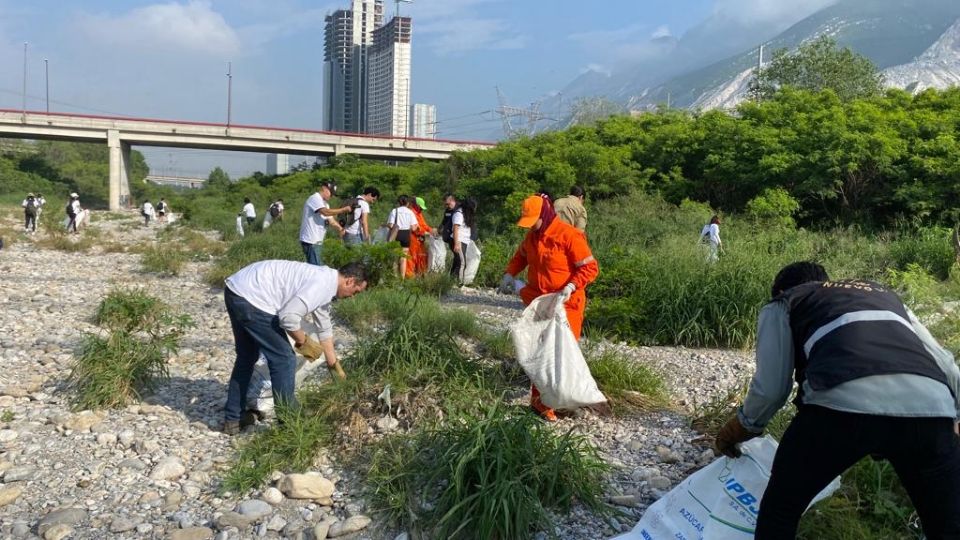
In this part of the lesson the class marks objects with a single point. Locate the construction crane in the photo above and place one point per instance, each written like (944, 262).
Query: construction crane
(508, 114)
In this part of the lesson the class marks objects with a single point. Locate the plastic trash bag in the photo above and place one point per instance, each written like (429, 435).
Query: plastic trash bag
(267, 220)
(550, 355)
(471, 264)
(380, 235)
(260, 392)
(82, 218)
(437, 254)
(240, 226)
(719, 502)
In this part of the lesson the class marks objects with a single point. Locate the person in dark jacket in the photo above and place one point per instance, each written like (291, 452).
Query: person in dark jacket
(872, 381)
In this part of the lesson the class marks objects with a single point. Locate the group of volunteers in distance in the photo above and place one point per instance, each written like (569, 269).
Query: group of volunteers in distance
(33, 206)
(872, 381)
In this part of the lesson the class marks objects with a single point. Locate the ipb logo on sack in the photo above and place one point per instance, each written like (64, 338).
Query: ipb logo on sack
(747, 500)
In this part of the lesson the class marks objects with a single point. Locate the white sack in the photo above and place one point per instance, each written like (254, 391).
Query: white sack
(437, 254)
(240, 226)
(550, 355)
(267, 220)
(83, 219)
(380, 235)
(719, 502)
(260, 392)
(471, 264)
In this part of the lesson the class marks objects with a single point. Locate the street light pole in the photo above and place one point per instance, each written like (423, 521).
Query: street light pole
(24, 80)
(46, 81)
(229, 90)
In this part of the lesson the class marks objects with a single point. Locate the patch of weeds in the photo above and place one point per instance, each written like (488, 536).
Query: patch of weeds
(115, 369)
(163, 259)
(498, 345)
(488, 475)
(70, 243)
(7, 416)
(289, 445)
(372, 308)
(627, 383)
(430, 284)
(194, 244)
(114, 247)
(709, 417)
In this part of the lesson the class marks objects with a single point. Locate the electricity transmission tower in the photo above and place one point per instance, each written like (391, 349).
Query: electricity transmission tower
(516, 120)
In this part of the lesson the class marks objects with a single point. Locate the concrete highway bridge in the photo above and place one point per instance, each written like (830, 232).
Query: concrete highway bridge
(120, 133)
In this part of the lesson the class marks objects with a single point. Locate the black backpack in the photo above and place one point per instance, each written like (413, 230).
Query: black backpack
(161, 206)
(69, 210)
(348, 219)
(31, 207)
(274, 210)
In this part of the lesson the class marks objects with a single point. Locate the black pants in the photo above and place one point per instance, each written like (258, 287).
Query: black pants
(457, 259)
(30, 222)
(821, 443)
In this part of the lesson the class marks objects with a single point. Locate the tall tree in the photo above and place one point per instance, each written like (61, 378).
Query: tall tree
(218, 179)
(821, 65)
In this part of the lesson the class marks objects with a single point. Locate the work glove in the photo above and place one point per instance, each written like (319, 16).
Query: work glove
(567, 292)
(337, 371)
(731, 434)
(310, 349)
(506, 284)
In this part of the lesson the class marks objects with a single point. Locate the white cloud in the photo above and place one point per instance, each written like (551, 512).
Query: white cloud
(597, 68)
(185, 27)
(460, 35)
(662, 31)
(627, 44)
(767, 11)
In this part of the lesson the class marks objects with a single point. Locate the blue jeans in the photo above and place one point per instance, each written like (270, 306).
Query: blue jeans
(352, 239)
(256, 331)
(312, 253)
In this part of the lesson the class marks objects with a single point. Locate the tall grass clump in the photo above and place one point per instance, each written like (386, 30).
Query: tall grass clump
(493, 474)
(627, 383)
(278, 242)
(163, 259)
(928, 247)
(129, 360)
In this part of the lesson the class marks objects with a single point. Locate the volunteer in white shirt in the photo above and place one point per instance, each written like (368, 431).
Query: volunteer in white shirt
(147, 212)
(266, 302)
(248, 211)
(317, 214)
(711, 234)
(73, 212)
(402, 221)
(358, 232)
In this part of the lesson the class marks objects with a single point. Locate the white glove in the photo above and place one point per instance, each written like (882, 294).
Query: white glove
(506, 284)
(567, 292)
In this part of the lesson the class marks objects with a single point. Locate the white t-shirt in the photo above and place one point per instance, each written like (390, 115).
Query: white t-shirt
(279, 206)
(402, 217)
(249, 211)
(270, 285)
(313, 225)
(712, 231)
(148, 208)
(364, 208)
(76, 206)
(464, 233)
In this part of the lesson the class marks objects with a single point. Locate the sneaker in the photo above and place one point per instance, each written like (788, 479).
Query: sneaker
(231, 427)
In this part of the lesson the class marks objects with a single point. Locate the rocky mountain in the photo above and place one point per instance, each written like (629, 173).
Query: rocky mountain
(915, 42)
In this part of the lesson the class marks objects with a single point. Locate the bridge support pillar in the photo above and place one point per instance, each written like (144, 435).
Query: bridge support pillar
(119, 171)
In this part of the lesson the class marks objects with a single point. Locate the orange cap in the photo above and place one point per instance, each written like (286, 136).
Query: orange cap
(530, 211)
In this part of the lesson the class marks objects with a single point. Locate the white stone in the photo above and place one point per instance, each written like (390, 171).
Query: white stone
(272, 495)
(306, 486)
(169, 468)
(350, 525)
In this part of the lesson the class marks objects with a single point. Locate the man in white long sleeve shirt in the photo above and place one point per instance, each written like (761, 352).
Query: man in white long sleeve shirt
(872, 381)
(266, 302)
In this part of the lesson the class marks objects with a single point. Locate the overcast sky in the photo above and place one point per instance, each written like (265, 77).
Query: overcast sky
(169, 59)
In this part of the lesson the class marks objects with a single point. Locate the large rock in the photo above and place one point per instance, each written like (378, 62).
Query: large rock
(169, 468)
(123, 524)
(57, 532)
(82, 421)
(192, 533)
(350, 525)
(254, 509)
(9, 494)
(65, 516)
(306, 486)
(16, 474)
(233, 519)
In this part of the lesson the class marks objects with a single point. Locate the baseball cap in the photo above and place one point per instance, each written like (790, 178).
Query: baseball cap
(421, 203)
(530, 211)
(74, 196)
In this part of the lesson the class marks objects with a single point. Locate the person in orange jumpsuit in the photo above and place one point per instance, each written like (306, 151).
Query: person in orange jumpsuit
(417, 263)
(558, 260)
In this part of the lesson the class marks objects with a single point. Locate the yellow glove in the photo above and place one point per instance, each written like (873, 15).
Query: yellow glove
(310, 349)
(731, 434)
(336, 370)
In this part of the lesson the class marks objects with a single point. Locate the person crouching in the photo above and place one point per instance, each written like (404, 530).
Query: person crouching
(266, 302)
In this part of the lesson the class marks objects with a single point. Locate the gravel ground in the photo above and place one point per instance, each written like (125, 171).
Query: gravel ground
(152, 470)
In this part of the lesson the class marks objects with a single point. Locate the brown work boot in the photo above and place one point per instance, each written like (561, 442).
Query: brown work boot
(231, 427)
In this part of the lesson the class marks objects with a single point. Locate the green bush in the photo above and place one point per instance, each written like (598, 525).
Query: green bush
(930, 248)
(773, 206)
(163, 259)
(130, 360)
(489, 475)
